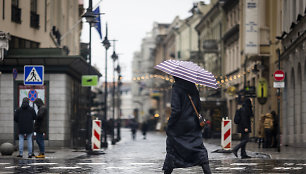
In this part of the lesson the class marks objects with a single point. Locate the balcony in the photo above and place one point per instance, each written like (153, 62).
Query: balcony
(34, 23)
(16, 14)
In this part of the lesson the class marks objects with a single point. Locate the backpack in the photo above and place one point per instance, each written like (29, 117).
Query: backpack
(268, 123)
(237, 116)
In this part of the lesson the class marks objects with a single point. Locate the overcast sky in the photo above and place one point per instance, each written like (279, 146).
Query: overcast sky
(128, 22)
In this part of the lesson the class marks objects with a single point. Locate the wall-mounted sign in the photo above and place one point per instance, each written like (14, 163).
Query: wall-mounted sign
(262, 91)
(278, 84)
(251, 29)
(89, 80)
(33, 75)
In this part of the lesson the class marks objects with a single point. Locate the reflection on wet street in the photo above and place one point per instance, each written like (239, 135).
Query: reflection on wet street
(145, 156)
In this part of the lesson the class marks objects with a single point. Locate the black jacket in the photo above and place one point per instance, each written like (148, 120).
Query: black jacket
(185, 146)
(24, 117)
(41, 121)
(245, 114)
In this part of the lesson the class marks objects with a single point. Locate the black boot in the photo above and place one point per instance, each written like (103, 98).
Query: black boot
(168, 171)
(206, 168)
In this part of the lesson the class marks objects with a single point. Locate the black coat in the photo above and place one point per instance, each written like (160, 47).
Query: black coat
(184, 142)
(40, 125)
(246, 114)
(24, 117)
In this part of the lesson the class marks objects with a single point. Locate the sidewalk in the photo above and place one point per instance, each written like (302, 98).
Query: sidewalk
(51, 153)
(287, 152)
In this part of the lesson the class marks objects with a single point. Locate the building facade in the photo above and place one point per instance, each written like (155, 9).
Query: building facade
(45, 33)
(42, 24)
(293, 63)
(141, 86)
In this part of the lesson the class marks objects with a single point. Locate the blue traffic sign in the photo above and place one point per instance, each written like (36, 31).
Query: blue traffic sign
(33, 75)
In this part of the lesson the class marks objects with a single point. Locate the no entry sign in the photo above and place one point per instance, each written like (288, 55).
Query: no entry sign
(279, 75)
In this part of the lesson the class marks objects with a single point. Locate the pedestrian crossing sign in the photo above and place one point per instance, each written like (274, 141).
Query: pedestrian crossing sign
(33, 75)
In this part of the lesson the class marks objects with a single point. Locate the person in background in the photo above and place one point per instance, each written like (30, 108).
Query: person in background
(207, 129)
(275, 129)
(244, 127)
(261, 131)
(134, 126)
(24, 117)
(144, 129)
(40, 126)
(268, 126)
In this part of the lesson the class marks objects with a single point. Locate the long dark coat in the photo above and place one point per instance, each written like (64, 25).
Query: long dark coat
(246, 114)
(184, 142)
(40, 125)
(24, 117)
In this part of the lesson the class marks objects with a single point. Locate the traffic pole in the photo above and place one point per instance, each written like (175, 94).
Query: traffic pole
(226, 138)
(96, 135)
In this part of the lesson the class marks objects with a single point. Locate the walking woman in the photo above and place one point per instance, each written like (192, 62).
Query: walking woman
(184, 144)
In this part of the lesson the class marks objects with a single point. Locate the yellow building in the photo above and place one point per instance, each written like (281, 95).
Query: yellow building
(42, 24)
(258, 45)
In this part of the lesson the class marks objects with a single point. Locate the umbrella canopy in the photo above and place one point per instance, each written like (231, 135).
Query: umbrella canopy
(188, 71)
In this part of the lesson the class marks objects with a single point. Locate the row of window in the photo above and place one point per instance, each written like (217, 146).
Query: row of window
(17, 42)
(16, 13)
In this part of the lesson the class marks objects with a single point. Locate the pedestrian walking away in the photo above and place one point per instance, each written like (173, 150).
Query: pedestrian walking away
(243, 119)
(40, 126)
(144, 129)
(24, 117)
(134, 126)
(184, 144)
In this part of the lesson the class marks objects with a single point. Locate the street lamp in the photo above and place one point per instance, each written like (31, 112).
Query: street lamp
(118, 69)
(114, 57)
(90, 18)
(106, 44)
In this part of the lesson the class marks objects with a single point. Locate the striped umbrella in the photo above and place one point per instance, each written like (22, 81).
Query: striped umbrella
(188, 71)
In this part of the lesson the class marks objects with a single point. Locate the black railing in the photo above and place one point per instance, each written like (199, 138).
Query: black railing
(16, 14)
(34, 23)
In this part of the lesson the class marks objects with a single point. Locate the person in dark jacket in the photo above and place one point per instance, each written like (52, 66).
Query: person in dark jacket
(40, 126)
(144, 129)
(244, 127)
(134, 127)
(184, 144)
(275, 129)
(24, 117)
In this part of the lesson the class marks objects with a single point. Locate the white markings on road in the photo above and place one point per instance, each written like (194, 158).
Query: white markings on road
(65, 167)
(121, 168)
(142, 163)
(11, 167)
(230, 168)
(301, 164)
(91, 163)
(4, 163)
(288, 164)
(237, 168)
(25, 167)
(37, 164)
(244, 164)
(288, 168)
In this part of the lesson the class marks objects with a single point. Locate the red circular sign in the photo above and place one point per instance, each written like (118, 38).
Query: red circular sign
(279, 75)
(32, 95)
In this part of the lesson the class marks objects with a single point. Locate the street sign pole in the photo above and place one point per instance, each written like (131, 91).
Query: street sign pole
(278, 107)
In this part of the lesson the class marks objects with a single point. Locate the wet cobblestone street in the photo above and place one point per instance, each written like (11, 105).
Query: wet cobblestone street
(145, 157)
